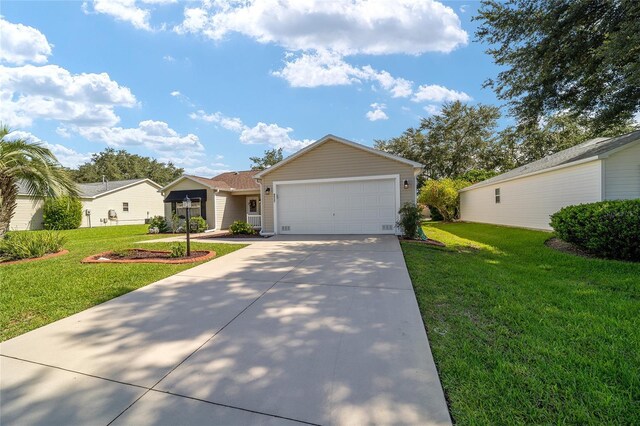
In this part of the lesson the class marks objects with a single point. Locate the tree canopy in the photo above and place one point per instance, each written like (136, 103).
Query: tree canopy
(575, 57)
(121, 165)
(458, 139)
(270, 157)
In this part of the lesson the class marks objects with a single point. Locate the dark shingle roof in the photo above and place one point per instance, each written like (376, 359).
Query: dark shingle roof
(237, 181)
(590, 148)
(89, 190)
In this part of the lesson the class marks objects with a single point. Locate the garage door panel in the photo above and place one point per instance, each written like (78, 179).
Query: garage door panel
(353, 207)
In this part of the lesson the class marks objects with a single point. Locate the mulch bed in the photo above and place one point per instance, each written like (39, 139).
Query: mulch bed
(32, 259)
(428, 242)
(230, 235)
(565, 247)
(147, 256)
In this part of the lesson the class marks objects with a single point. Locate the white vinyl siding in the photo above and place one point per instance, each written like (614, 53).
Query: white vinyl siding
(622, 174)
(143, 200)
(27, 215)
(529, 201)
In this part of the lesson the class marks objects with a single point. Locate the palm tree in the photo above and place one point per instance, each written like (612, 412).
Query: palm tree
(36, 167)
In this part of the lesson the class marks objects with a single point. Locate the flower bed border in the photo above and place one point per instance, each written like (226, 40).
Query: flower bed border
(94, 258)
(32, 259)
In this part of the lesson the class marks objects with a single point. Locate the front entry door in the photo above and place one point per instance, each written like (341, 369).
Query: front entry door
(253, 206)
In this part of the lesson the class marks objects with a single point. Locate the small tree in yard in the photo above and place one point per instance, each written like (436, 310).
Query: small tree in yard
(62, 213)
(443, 195)
(410, 217)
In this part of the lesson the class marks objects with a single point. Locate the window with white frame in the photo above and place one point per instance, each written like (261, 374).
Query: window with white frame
(497, 195)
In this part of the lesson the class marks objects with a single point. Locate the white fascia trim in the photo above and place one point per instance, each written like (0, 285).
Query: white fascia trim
(121, 188)
(329, 180)
(341, 140)
(538, 172)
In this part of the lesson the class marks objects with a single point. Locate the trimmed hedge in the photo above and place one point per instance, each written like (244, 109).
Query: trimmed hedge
(62, 213)
(608, 229)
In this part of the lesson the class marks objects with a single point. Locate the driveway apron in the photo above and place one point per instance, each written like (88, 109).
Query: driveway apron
(290, 330)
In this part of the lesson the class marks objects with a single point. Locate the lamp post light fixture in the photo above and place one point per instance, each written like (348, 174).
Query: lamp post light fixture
(186, 204)
(406, 184)
(267, 191)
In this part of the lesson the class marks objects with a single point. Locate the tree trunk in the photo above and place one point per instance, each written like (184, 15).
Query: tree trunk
(8, 193)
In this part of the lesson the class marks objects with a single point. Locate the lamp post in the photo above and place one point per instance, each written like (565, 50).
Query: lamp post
(186, 203)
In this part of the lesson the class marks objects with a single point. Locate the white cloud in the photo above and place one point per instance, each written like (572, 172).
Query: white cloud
(21, 43)
(432, 109)
(324, 68)
(436, 93)
(154, 135)
(377, 112)
(274, 135)
(66, 156)
(137, 13)
(52, 92)
(230, 123)
(169, 58)
(205, 171)
(261, 133)
(353, 27)
(63, 131)
(175, 93)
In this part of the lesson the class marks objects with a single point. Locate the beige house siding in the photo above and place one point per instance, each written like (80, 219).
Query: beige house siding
(188, 184)
(27, 215)
(143, 198)
(335, 160)
(622, 174)
(229, 208)
(528, 202)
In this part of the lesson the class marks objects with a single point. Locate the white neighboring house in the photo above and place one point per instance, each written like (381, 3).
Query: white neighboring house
(122, 202)
(595, 170)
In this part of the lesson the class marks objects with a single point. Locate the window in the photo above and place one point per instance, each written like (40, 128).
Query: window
(125, 207)
(497, 194)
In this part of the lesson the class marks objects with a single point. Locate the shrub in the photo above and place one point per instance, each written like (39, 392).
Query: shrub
(240, 227)
(175, 223)
(410, 218)
(160, 223)
(197, 224)
(609, 229)
(30, 244)
(62, 213)
(435, 214)
(443, 195)
(178, 250)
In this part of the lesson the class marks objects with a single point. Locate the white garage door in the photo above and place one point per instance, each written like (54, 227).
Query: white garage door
(348, 207)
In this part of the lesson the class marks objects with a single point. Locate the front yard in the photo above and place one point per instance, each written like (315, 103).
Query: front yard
(36, 293)
(524, 334)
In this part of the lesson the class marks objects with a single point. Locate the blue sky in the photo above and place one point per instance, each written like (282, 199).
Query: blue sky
(209, 84)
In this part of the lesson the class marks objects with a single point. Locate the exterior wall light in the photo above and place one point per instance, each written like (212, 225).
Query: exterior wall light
(406, 184)
(267, 191)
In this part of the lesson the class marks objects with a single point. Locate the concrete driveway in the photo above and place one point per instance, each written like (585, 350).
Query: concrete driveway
(317, 330)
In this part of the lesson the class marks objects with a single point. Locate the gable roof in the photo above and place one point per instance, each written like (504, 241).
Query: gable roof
(96, 189)
(228, 181)
(340, 140)
(591, 149)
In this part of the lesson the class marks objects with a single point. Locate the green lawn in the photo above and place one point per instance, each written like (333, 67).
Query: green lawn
(524, 334)
(36, 293)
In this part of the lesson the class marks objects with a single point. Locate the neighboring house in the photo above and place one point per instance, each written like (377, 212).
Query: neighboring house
(333, 186)
(123, 202)
(595, 170)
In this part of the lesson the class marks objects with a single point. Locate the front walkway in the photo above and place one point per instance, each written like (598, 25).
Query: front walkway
(319, 330)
